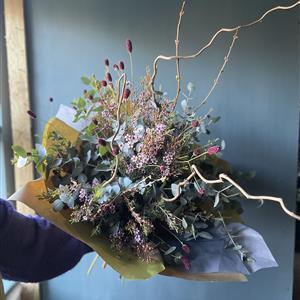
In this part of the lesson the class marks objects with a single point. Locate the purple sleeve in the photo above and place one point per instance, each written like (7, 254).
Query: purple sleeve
(32, 249)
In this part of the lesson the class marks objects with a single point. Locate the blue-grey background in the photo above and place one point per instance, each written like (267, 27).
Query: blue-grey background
(257, 99)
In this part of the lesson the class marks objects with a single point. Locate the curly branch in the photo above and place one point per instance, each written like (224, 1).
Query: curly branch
(201, 50)
(222, 178)
(120, 98)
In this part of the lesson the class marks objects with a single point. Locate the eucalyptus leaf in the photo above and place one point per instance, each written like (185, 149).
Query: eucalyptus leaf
(19, 151)
(217, 199)
(58, 205)
(170, 250)
(56, 163)
(223, 145)
(88, 156)
(76, 161)
(184, 223)
(82, 178)
(202, 127)
(78, 170)
(21, 162)
(174, 188)
(85, 80)
(184, 105)
(41, 151)
(190, 87)
(237, 247)
(205, 235)
(200, 225)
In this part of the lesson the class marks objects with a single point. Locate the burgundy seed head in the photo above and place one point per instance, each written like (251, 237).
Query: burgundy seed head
(106, 62)
(186, 263)
(116, 67)
(121, 65)
(195, 123)
(115, 151)
(31, 114)
(95, 122)
(126, 93)
(185, 248)
(197, 152)
(101, 142)
(108, 77)
(129, 46)
(91, 97)
(104, 83)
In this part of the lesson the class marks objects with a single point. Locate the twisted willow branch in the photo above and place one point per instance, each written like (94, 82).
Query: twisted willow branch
(201, 50)
(223, 178)
(120, 98)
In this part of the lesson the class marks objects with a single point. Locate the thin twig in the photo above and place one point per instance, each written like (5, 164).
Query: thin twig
(216, 81)
(177, 41)
(201, 50)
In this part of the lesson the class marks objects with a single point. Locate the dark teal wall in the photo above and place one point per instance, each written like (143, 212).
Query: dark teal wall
(257, 98)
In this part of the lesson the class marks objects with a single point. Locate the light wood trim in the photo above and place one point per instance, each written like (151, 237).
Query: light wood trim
(18, 86)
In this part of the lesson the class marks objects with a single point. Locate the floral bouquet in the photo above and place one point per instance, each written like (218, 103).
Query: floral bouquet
(140, 180)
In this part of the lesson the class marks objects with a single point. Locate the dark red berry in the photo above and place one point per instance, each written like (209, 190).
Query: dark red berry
(104, 83)
(91, 97)
(121, 65)
(185, 248)
(108, 77)
(115, 151)
(106, 62)
(129, 46)
(101, 142)
(126, 93)
(116, 67)
(95, 122)
(31, 114)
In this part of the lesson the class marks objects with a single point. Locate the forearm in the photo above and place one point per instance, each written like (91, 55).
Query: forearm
(32, 249)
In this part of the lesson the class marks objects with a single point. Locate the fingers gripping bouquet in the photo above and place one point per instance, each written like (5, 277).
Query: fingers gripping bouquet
(141, 182)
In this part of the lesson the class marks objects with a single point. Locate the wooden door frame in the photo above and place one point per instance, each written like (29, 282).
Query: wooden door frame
(19, 103)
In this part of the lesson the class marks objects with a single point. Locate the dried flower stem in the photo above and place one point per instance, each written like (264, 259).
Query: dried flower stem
(131, 67)
(221, 179)
(201, 50)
